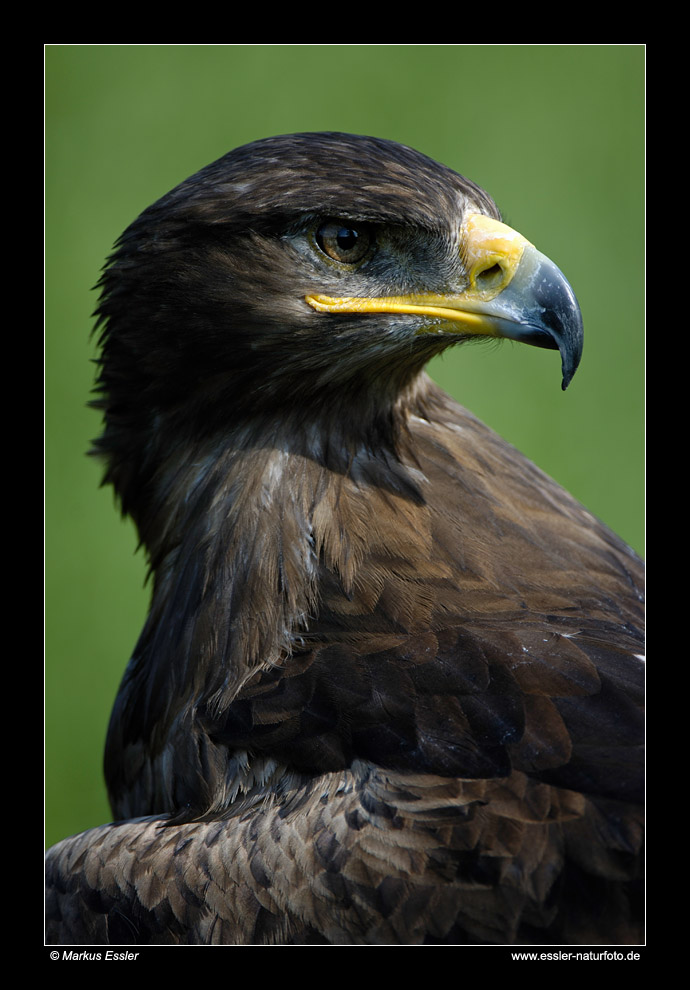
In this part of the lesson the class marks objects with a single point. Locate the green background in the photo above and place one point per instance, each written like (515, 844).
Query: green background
(554, 133)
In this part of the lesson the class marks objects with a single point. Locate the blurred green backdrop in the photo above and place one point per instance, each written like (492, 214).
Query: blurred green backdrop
(554, 133)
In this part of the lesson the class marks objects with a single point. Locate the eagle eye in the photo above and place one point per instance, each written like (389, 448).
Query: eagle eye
(343, 242)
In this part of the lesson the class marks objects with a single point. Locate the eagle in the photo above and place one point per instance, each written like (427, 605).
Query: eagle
(389, 689)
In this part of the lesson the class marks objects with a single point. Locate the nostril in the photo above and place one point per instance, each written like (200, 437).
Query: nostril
(489, 278)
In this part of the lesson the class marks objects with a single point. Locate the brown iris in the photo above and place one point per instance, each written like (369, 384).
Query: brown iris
(342, 242)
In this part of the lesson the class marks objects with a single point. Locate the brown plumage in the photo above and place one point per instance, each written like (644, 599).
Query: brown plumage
(389, 689)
